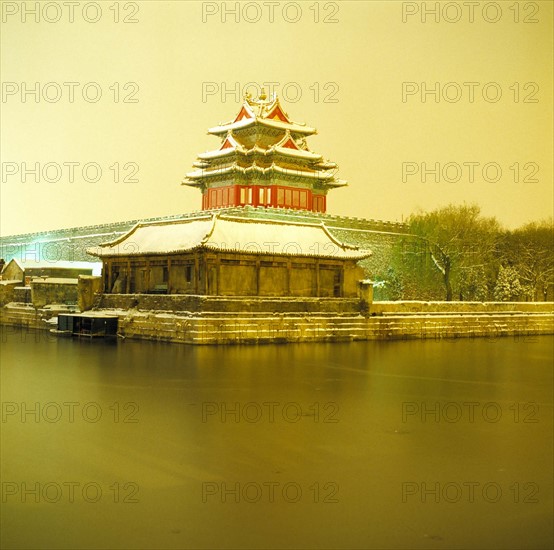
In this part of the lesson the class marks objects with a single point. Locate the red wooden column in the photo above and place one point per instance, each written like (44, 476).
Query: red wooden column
(233, 195)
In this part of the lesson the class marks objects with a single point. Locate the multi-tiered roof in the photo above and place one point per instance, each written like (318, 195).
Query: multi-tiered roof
(263, 160)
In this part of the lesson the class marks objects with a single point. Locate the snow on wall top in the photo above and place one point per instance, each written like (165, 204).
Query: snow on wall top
(96, 267)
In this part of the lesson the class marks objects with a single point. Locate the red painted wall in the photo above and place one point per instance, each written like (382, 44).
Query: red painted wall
(276, 196)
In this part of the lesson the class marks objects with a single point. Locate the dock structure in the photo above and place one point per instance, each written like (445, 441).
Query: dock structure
(95, 325)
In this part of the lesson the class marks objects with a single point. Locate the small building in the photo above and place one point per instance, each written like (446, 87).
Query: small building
(25, 270)
(222, 255)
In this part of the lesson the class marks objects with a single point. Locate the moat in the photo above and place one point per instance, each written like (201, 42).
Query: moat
(136, 444)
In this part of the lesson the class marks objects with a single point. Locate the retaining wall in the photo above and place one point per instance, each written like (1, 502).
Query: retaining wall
(416, 307)
(217, 327)
(241, 328)
(195, 303)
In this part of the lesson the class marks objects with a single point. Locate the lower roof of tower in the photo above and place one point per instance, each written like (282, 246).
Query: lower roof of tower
(323, 176)
(299, 153)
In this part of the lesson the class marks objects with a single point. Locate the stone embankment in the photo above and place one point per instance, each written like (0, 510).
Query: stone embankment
(219, 320)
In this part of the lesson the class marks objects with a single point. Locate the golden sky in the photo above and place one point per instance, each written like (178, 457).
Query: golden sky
(357, 71)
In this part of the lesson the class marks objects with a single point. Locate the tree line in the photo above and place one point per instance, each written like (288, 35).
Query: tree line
(462, 255)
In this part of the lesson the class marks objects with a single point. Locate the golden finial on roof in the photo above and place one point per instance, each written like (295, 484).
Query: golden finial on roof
(263, 97)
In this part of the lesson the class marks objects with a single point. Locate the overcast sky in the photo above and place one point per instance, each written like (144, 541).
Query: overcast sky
(167, 71)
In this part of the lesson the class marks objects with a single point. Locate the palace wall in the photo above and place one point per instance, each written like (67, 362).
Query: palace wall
(89, 291)
(394, 250)
(46, 291)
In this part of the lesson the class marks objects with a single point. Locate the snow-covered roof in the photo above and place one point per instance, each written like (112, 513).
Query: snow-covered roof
(290, 141)
(287, 151)
(24, 264)
(234, 234)
(7, 282)
(294, 127)
(297, 153)
(234, 167)
(265, 112)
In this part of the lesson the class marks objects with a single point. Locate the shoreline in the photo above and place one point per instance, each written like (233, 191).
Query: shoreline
(383, 321)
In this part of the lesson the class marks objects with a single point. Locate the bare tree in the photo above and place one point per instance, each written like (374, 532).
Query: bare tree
(458, 237)
(530, 251)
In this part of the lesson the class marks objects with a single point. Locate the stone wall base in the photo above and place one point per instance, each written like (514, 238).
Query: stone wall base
(250, 329)
(260, 327)
(228, 304)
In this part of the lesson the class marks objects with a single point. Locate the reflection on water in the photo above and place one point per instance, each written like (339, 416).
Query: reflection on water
(418, 444)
